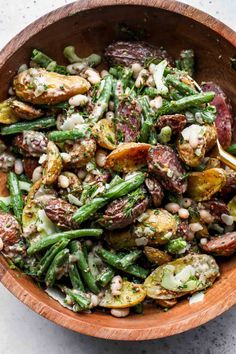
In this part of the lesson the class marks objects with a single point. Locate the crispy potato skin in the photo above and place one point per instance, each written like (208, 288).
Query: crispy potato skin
(155, 189)
(166, 303)
(7, 115)
(224, 245)
(128, 157)
(118, 239)
(39, 86)
(54, 164)
(81, 151)
(104, 133)
(4, 192)
(203, 185)
(25, 111)
(31, 143)
(156, 256)
(9, 230)
(60, 213)
(30, 165)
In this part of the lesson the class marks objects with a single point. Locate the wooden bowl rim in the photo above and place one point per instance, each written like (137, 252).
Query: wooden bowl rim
(6, 274)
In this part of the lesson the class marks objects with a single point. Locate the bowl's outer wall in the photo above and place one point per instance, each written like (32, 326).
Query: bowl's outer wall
(90, 31)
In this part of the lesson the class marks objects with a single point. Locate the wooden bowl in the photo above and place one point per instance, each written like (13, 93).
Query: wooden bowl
(91, 25)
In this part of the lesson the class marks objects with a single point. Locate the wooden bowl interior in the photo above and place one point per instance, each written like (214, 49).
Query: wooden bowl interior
(90, 31)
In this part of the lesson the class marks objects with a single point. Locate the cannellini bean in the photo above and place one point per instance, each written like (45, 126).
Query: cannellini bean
(11, 91)
(142, 76)
(76, 68)
(172, 207)
(183, 213)
(186, 202)
(120, 312)
(116, 285)
(81, 173)
(37, 174)
(43, 158)
(195, 227)
(227, 219)
(65, 157)
(156, 103)
(110, 116)
(150, 81)
(152, 68)
(1, 244)
(78, 100)
(203, 241)
(136, 68)
(22, 68)
(111, 105)
(104, 73)
(100, 157)
(206, 216)
(94, 300)
(18, 167)
(193, 139)
(63, 181)
(92, 76)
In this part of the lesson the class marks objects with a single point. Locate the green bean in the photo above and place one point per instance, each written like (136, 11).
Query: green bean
(37, 124)
(102, 103)
(153, 137)
(123, 188)
(148, 119)
(232, 149)
(114, 261)
(105, 276)
(68, 134)
(48, 63)
(4, 207)
(16, 195)
(72, 234)
(165, 135)
(185, 103)
(47, 259)
(60, 259)
(76, 249)
(151, 92)
(186, 61)
(72, 57)
(75, 278)
(79, 298)
(180, 86)
(129, 258)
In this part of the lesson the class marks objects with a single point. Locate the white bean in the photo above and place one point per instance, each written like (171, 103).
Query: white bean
(186, 202)
(203, 241)
(195, 227)
(120, 312)
(81, 173)
(93, 76)
(142, 76)
(152, 68)
(116, 285)
(172, 207)
(65, 157)
(183, 213)
(227, 219)
(11, 91)
(78, 100)
(111, 105)
(104, 73)
(206, 216)
(37, 174)
(156, 103)
(100, 157)
(18, 167)
(76, 68)
(1, 244)
(150, 81)
(94, 300)
(63, 181)
(110, 116)
(136, 68)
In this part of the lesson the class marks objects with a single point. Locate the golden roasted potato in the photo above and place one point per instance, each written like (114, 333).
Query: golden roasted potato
(7, 115)
(25, 111)
(212, 162)
(188, 154)
(39, 86)
(53, 165)
(104, 133)
(4, 192)
(128, 157)
(232, 207)
(156, 256)
(118, 239)
(80, 151)
(210, 135)
(157, 227)
(166, 303)
(131, 295)
(203, 185)
(183, 276)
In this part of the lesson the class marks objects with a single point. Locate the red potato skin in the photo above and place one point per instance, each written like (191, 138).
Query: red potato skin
(224, 118)
(35, 145)
(163, 160)
(9, 230)
(60, 212)
(224, 245)
(30, 165)
(216, 208)
(128, 120)
(155, 189)
(176, 122)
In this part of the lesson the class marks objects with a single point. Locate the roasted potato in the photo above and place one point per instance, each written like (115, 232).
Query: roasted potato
(75, 186)
(118, 239)
(81, 151)
(232, 207)
(203, 185)
(60, 213)
(128, 157)
(39, 86)
(4, 192)
(166, 303)
(224, 245)
(183, 276)
(156, 256)
(53, 166)
(131, 295)
(212, 163)
(157, 227)
(7, 115)
(25, 111)
(104, 133)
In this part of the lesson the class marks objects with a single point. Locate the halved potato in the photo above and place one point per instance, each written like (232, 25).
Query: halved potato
(54, 164)
(203, 185)
(40, 86)
(183, 276)
(7, 115)
(232, 207)
(25, 111)
(128, 157)
(156, 256)
(131, 295)
(104, 133)
(4, 192)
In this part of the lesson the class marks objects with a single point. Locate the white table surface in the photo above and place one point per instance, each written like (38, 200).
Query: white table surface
(25, 332)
